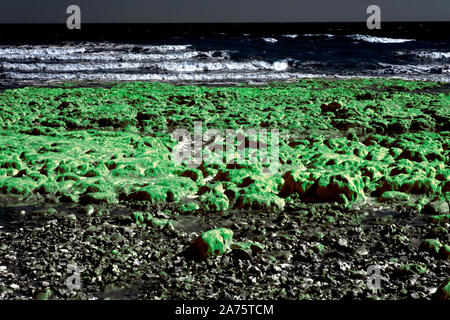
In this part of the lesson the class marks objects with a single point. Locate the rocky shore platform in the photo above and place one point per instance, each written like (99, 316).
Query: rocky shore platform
(94, 205)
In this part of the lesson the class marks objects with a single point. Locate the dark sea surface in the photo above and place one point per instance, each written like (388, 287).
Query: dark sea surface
(227, 58)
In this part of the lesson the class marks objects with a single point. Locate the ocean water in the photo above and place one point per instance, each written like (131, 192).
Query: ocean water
(227, 59)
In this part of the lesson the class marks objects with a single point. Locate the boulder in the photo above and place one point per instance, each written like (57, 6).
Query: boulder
(299, 181)
(394, 196)
(212, 243)
(436, 208)
(443, 291)
(338, 187)
(260, 201)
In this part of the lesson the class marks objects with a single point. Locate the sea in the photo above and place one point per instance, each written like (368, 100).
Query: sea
(227, 58)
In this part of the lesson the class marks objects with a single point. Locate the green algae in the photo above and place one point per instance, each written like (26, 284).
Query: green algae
(340, 141)
(146, 218)
(445, 251)
(213, 242)
(432, 245)
(443, 292)
(189, 207)
(413, 268)
(260, 201)
(394, 196)
(214, 201)
(440, 219)
(245, 245)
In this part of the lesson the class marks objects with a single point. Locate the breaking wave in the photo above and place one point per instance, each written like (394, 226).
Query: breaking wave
(243, 59)
(372, 39)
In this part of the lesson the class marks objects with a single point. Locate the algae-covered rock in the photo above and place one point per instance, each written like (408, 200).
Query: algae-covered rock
(189, 207)
(141, 217)
(43, 295)
(99, 198)
(299, 181)
(214, 201)
(339, 187)
(378, 154)
(213, 243)
(432, 245)
(216, 188)
(410, 183)
(394, 196)
(246, 250)
(236, 176)
(170, 189)
(373, 172)
(260, 201)
(445, 252)
(443, 291)
(153, 194)
(146, 218)
(17, 186)
(323, 187)
(439, 219)
(436, 208)
(412, 268)
(195, 174)
(258, 183)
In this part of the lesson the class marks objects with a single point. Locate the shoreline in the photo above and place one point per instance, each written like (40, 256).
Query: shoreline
(109, 84)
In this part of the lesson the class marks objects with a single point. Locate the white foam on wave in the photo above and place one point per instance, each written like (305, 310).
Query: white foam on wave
(292, 36)
(431, 55)
(174, 66)
(227, 76)
(328, 35)
(411, 69)
(40, 51)
(218, 66)
(270, 40)
(255, 77)
(104, 56)
(373, 39)
(86, 47)
(166, 48)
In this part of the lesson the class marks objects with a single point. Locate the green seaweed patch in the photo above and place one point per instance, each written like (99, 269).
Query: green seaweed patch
(171, 189)
(445, 252)
(213, 243)
(330, 131)
(189, 207)
(432, 245)
(339, 187)
(214, 201)
(145, 218)
(394, 196)
(260, 201)
(99, 198)
(443, 292)
(17, 186)
(252, 247)
(412, 268)
(407, 183)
